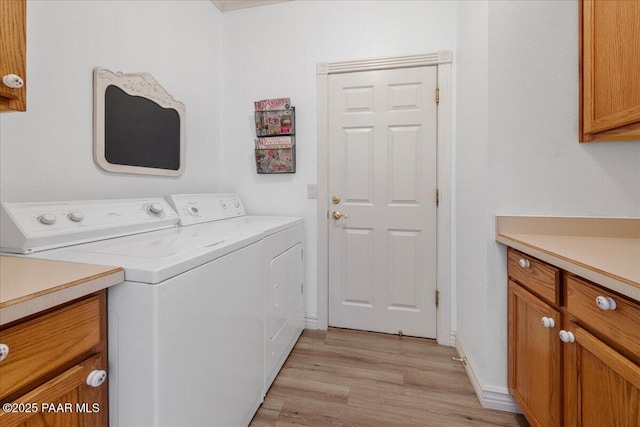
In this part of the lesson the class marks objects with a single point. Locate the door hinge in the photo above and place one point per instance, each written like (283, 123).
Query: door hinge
(302, 288)
(437, 95)
(301, 253)
(437, 197)
(437, 298)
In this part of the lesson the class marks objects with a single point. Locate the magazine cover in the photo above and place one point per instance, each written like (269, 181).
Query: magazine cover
(279, 160)
(275, 142)
(275, 122)
(272, 104)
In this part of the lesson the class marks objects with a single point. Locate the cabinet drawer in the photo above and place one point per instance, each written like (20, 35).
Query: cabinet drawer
(621, 324)
(539, 277)
(40, 346)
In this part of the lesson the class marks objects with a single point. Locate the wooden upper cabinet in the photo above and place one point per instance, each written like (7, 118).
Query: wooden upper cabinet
(13, 53)
(609, 70)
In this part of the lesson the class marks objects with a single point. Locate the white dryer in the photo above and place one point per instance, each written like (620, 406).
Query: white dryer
(185, 328)
(282, 268)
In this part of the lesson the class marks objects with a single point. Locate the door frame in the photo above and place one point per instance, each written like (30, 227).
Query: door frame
(442, 59)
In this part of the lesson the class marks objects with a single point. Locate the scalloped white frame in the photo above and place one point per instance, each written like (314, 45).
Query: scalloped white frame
(443, 60)
(136, 84)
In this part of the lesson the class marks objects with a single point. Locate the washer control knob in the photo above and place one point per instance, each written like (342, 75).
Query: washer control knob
(548, 322)
(566, 336)
(237, 204)
(606, 303)
(223, 205)
(76, 216)
(193, 210)
(524, 263)
(4, 351)
(155, 209)
(96, 377)
(47, 219)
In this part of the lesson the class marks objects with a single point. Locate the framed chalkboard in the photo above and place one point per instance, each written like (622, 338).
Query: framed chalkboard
(138, 126)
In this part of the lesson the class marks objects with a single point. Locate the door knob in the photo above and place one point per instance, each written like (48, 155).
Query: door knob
(337, 215)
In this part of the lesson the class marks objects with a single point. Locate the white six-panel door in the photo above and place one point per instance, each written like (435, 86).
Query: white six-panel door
(382, 169)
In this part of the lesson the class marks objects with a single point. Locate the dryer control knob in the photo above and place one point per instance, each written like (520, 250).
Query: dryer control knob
(223, 205)
(155, 209)
(47, 219)
(193, 210)
(76, 216)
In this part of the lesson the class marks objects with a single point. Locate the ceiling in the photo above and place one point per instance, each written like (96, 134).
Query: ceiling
(228, 5)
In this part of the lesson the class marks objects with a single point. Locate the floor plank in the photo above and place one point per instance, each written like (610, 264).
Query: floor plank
(352, 378)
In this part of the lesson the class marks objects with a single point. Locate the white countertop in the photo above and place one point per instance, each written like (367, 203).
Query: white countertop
(603, 250)
(28, 286)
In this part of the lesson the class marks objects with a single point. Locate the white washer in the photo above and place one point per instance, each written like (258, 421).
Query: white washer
(283, 267)
(185, 328)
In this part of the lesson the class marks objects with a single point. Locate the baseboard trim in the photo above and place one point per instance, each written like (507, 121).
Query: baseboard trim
(311, 322)
(490, 397)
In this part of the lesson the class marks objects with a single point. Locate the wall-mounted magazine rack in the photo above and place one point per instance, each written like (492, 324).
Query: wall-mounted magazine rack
(275, 145)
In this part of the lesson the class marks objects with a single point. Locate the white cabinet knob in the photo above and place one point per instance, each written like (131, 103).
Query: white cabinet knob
(96, 377)
(47, 219)
(548, 322)
(524, 263)
(605, 303)
(13, 81)
(4, 351)
(566, 336)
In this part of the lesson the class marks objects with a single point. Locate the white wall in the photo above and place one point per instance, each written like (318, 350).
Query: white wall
(272, 51)
(471, 186)
(47, 152)
(528, 162)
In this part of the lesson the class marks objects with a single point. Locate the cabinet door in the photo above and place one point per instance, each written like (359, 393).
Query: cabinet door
(534, 357)
(13, 46)
(66, 400)
(610, 60)
(602, 388)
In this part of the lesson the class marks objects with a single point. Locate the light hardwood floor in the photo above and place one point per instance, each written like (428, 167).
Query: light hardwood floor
(351, 378)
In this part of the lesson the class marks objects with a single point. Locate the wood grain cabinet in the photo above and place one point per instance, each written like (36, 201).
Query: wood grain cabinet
(574, 355)
(534, 357)
(13, 53)
(609, 62)
(54, 367)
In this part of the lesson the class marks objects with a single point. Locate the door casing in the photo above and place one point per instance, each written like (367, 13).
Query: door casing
(443, 60)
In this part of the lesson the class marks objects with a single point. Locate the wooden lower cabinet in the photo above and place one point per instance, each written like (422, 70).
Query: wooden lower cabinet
(584, 371)
(534, 357)
(45, 376)
(602, 387)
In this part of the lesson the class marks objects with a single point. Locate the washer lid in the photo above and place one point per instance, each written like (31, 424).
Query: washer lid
(159, 255)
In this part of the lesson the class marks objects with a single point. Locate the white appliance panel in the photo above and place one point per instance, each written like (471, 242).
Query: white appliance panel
(32, 227)
(199, 208)
(205, 329)
(284, 302)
